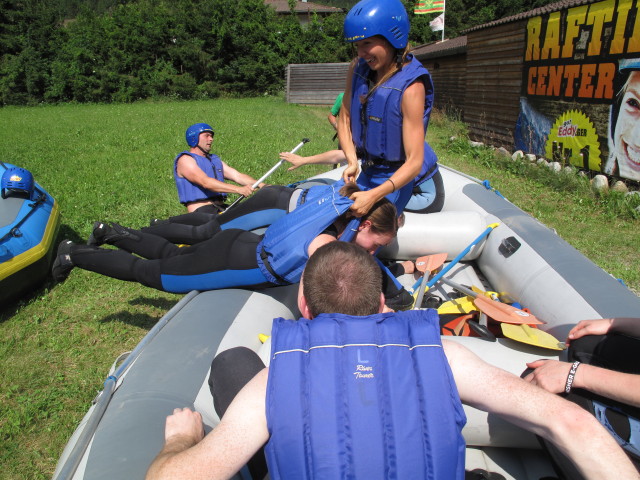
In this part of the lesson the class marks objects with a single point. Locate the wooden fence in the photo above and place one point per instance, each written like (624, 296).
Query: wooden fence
(315, 84)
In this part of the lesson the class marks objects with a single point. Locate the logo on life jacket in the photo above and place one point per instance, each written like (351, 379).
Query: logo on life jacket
(363, 371)
(375, 119)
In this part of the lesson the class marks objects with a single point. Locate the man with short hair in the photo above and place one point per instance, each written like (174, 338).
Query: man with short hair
(370, 395)
(200, 175)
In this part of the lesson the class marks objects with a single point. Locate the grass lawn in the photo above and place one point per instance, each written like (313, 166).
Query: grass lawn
(114, 162)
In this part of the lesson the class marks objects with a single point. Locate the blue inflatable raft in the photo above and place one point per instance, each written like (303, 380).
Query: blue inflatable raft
(29, 220)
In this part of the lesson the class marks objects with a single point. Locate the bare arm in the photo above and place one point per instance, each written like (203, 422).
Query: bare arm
(319, 241)
(331, 157)
(573, 430)
(240, 178)
(344, 132)
(222, 453)
(552, 376)
(413, 135)
(189, 169)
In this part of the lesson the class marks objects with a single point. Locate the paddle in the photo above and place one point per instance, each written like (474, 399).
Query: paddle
(426, 265)
(273, 169)
(453, 262)
(531, 336)
(457, 305)
(430, 263)
(500, 312)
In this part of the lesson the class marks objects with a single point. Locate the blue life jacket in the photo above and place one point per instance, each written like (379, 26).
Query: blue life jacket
(377, 131)
(363, 397)
(284, 247)
(187, 191)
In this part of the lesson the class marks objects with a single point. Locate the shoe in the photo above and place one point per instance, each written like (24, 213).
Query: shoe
(62, 265)
(403, 300)
(98, 233)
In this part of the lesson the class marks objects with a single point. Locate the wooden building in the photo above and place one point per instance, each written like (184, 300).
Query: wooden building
(446, 61)
(315, 83)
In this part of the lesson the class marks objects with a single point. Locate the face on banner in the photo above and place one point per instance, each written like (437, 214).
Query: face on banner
(624, 158)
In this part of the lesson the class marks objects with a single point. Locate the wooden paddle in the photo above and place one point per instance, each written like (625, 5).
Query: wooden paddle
(500, 312)
(532, 336)
(426, 265)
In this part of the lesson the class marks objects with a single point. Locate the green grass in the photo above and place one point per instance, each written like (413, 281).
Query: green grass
(113, 162)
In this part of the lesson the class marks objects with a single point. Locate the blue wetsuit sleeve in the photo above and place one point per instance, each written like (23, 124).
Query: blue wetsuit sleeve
(387, 272)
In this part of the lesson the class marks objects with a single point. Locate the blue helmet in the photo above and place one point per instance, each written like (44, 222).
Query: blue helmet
(194, 131)
(378, 17)
(18, 180)
(629, 64)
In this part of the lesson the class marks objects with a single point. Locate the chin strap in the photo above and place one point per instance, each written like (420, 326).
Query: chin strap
(206, 154)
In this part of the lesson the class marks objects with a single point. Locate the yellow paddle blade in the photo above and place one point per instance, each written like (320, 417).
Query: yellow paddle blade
(486, 293)
(532, 336)
(458, 305)
(263, 338)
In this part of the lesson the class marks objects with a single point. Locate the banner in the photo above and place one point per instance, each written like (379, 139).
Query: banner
(437, 24)
(429, 6)
(580, 84)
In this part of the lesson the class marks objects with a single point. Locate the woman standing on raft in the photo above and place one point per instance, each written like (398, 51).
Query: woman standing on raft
(385, 110)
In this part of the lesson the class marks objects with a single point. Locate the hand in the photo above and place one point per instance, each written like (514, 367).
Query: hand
(185, 423)
(549, 374)
(295, 160)
(590, 327)
(245, 190)
(350, 173)
(363, 202)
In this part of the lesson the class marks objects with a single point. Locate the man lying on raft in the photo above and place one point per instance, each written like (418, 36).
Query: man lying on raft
(335, 403)
(233, 257)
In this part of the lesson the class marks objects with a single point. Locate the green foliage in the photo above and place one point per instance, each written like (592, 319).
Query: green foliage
(125, 50)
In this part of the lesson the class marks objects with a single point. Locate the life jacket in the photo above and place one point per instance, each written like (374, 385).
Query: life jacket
(376, 128)
(362, 397)
(283, 251)
(189, 192)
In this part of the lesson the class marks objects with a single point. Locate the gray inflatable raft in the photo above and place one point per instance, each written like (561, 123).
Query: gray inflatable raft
(522, 259)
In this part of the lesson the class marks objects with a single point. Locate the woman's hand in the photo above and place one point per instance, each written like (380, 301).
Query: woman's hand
(549, 374)
(350, 173)
(363, 202)
(590, 327)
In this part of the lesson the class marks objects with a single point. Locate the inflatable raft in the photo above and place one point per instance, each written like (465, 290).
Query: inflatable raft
(29, 220)
(521, 259)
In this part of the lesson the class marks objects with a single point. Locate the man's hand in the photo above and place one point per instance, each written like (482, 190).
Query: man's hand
(185, 424)
(245, 190)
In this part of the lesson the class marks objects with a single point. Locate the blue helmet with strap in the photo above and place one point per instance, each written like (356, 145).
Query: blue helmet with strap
(194, 131)
(368, 18)
(17, 180)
